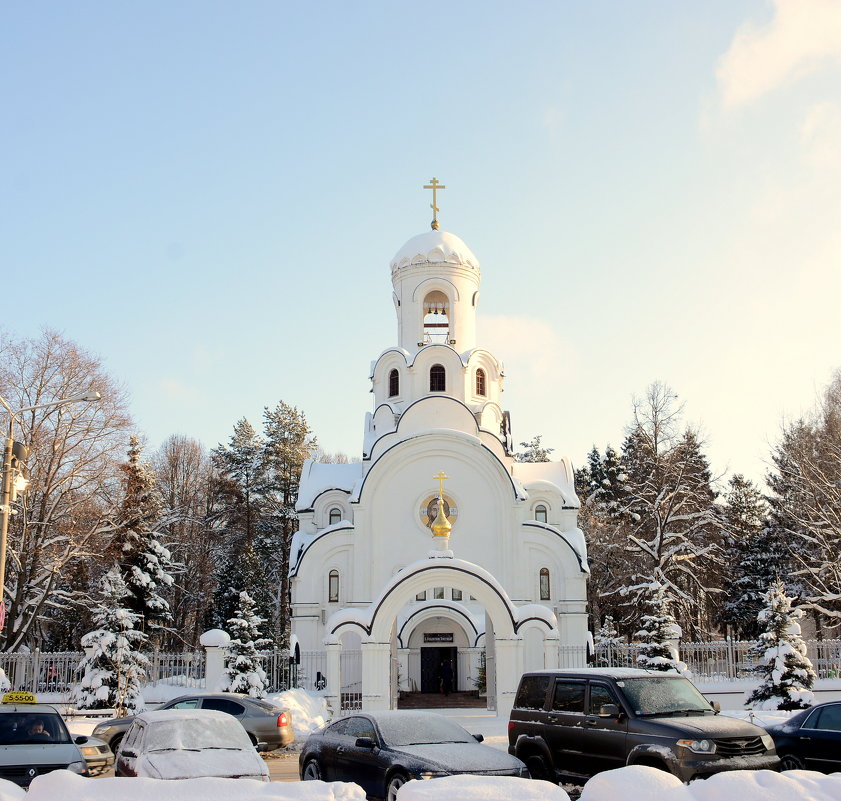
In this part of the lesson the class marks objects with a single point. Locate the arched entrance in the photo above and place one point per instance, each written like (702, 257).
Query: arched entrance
(376, 627)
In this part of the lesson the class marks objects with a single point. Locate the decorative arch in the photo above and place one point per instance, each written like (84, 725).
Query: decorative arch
(453, 611)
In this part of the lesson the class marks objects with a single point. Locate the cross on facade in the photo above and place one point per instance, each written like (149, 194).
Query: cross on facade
(441, 478)
(434, 186)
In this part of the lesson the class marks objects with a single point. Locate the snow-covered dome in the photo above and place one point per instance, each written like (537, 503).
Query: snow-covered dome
(215, 638)
(434, 247)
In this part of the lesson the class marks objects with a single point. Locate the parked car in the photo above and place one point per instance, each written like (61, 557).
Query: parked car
(381, 751)
(571, 724)
(811, 739)
(35, 740)
(188, 744)
(268, 726)
(98, 756)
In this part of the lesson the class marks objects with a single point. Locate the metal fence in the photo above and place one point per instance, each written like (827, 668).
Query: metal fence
(186, 669)
(723, 660)
(38, 672)
(350, 663)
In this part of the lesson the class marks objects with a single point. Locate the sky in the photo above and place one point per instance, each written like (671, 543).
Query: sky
(208, 195)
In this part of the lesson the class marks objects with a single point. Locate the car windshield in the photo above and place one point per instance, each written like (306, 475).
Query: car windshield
(32, 727)
(661, 696)
(194, 734)
(421, 730)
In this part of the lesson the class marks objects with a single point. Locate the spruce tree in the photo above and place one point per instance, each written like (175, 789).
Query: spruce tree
(113, 675)
(145, 563)
(243, 672)
(753, 557)
(534, 451)
(658, 631)
(243, 568)
(608, 643)
(787, 675)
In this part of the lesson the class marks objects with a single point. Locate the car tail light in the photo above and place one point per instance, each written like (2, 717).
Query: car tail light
(282, 720)
(510, 726)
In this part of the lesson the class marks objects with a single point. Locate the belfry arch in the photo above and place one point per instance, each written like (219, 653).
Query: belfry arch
(376, 628)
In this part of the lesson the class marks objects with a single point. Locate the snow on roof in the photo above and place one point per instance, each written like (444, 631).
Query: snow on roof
(318, 477)
(434, 247)
(573, 537)
(557, 473)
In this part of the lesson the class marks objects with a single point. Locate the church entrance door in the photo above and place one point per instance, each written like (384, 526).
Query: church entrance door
(432, 660)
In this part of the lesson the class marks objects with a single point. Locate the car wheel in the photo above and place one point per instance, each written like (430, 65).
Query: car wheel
(312, 771)
(396, 781)
(791, 762)
(115, 743)
(537, 768)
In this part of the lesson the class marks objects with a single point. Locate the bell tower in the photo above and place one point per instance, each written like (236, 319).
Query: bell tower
(436, 289)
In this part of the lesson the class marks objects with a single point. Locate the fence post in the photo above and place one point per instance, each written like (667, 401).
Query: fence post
(215, 643)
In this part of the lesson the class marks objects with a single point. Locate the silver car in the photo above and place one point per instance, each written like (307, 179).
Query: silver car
(268, 726)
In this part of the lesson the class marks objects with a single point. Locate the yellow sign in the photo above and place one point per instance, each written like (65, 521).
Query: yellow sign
(19, 697)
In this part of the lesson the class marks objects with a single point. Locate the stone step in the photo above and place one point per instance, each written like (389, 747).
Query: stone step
(456, 700)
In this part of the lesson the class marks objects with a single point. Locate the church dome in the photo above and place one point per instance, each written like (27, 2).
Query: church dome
(434, 247)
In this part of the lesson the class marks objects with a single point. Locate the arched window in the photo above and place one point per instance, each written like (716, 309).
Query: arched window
(540, 514)
(481, 386)
(393, 383)
(333, 589)
(437, 378)
(436, 320)
(544, 584)
(335, 516)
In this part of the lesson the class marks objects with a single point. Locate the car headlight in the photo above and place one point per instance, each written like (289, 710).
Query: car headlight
(768, 742)
(432, 774)
(89, 750)
(78, 767)
(698, 746)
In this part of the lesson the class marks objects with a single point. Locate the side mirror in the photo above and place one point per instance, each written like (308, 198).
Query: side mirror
(609, 711)
(80, 740)
(716, 707)
(130, 754)
(479, 738)
(365, 742)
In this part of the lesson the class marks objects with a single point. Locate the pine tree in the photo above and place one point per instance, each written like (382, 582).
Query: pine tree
(607, 643)
(786, 672)
(243, 568)
(659, 630)
(288, 443)
(751, 552)
(145, 563)
(534, 451)
(113, 675)
(243, 673)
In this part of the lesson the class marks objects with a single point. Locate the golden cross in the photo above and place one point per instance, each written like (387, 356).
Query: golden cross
(441, 478)
(434, 186)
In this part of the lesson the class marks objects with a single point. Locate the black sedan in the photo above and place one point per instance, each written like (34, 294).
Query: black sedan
(381, 751)
(810, 739)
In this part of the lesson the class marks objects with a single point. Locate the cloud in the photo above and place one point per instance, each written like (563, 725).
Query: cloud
(801, 37)
(820, 135)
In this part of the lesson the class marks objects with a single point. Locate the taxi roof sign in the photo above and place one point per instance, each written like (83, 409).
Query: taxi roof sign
(19, 697)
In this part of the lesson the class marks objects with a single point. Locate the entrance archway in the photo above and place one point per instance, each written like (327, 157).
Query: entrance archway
(375, 625)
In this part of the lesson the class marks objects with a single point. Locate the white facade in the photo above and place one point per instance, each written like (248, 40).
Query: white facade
(365, 571)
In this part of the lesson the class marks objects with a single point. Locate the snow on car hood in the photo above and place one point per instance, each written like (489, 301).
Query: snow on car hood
(462, 757)
(192, 764)
(706, 725)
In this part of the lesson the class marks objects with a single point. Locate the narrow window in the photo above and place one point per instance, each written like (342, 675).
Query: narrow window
(393, 383)
(437, 378)
(544, 583)
(456, 595)
(421, 596)
(334, 587)
(438, 592)
(335, 516)
(480, 383)
(540, 514)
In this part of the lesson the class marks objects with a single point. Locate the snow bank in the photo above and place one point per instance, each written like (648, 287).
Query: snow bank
(309, 711)
(11, 792)
(639, 783)
(481, 788)
(61, 784)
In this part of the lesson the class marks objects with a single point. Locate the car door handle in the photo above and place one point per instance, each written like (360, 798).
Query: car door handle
(552, 718)
(805, 738)
(340, 749)
(590, 721)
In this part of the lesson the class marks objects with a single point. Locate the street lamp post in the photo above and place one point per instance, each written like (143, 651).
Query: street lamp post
(6, 495)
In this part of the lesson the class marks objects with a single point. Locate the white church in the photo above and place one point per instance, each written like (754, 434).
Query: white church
(438, 547)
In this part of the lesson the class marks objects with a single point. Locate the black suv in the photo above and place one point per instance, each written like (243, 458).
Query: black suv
(570, 724)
